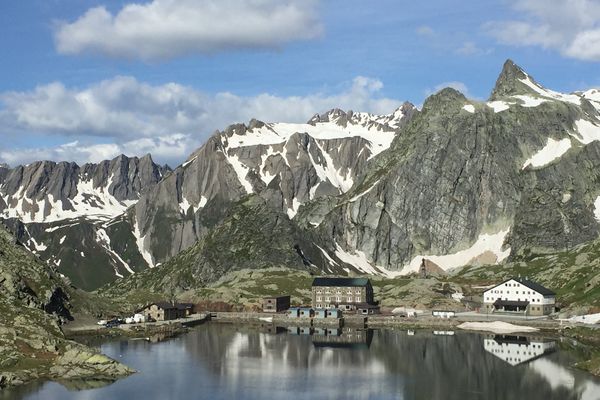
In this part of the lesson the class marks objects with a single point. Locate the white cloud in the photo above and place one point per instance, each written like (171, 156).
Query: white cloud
(170, 149)
(572, 27)
(169, 120)
(426, 31)
(471, 49)
(165, 29)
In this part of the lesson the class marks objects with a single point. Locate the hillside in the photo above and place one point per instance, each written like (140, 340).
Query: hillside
(34, 301)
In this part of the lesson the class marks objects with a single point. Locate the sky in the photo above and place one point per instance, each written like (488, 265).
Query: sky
(85, 80)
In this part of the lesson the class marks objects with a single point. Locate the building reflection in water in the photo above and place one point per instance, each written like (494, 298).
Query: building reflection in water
(517, 350)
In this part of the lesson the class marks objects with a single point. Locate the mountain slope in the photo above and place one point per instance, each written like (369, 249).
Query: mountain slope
(319, 158)
(252, 235)
(63, 212)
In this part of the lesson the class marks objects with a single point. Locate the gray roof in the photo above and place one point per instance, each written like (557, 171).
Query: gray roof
(352, 282)
(535, 286)
(165, 305)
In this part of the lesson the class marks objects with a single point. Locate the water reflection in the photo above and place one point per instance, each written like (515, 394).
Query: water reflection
(219, 361)
(516, 350)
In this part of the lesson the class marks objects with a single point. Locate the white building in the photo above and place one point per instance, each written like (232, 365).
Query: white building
(519, 295)
(516, 349)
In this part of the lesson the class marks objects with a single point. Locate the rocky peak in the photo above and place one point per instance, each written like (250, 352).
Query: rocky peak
(512, 81)
(46, 190)
(444, 99)
(332, 115)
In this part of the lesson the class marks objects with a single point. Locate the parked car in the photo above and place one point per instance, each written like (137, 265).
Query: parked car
(113, 323)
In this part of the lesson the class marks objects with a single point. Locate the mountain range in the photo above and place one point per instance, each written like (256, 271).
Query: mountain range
(458, 181)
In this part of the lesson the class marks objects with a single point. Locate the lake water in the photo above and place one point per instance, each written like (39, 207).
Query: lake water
(219, 361)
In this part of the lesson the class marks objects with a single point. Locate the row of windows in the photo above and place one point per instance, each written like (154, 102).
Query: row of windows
(325, 306)
(489, 299)
(338, 299)
(517, 292)
(339, 291)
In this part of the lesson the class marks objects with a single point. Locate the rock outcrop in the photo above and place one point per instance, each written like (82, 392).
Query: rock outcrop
(34, 301)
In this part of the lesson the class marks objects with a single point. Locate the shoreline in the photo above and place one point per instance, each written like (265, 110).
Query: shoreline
(166, 330)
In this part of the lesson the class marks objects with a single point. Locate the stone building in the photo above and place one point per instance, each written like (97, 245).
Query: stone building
(165, 311)
(354, 294)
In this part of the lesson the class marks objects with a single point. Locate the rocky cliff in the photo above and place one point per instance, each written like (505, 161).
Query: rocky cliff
(34, 301)
(63, 212)
(466, 178)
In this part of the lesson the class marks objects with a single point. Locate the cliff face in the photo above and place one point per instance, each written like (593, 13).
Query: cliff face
(516, 173)
(62, 212)
(291, 164)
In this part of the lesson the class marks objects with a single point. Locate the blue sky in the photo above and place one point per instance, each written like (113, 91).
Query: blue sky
(85, 80)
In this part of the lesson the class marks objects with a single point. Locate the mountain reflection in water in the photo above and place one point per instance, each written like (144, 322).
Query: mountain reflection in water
(218, 361)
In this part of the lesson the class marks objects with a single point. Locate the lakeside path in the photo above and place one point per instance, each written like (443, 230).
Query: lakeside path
(82, 326)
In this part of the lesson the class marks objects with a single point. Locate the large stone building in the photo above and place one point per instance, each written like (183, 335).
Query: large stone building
(345, 294)
(165, 311)
(519, 295)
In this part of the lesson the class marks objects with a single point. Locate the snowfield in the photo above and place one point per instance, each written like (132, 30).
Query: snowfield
(496, 327)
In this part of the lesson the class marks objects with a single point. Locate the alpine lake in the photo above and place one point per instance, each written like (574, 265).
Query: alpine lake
(225, 361)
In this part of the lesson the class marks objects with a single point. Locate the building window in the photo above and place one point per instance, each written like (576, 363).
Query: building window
(350, 299)
(358, 299)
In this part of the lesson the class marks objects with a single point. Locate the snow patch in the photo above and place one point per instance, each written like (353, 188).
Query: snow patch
(469, 108)
(528, 101)
(358, 260)
(486, 242)
(241, 171)
(597, 208)
(37, 246)
(104, 240)
(586, 319)
(94, 203)
(184, 206)
(140, 241)
(569, 98)
(331, 261)
(188, 162)
(278, 133)
(498, 106)
(329, 173)
(293, 210)
(499, 327)
(552, 150)
(62, 239)
(588, 131)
